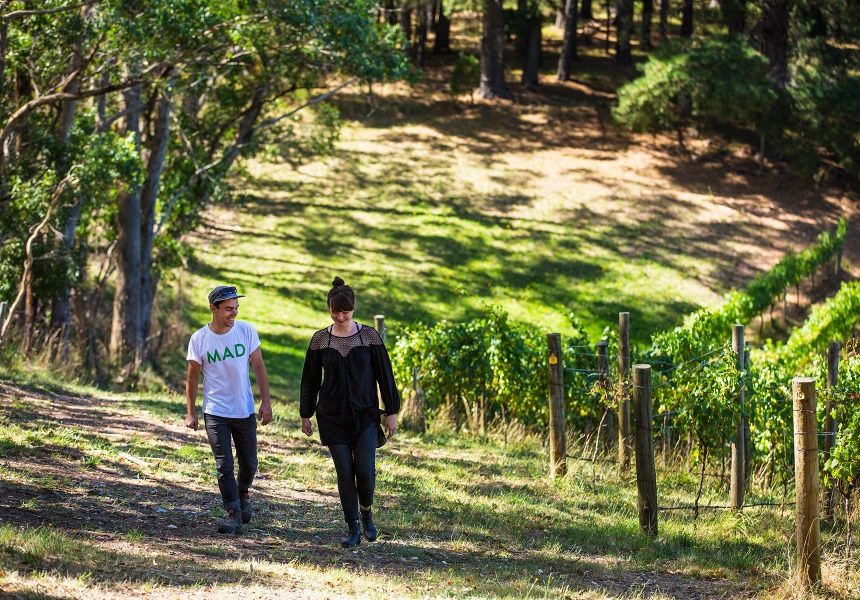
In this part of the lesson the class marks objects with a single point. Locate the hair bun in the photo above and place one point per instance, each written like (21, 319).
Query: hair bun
(337, 282)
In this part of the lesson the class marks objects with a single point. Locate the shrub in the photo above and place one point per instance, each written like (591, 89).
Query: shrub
(720, 80)
(465, 76)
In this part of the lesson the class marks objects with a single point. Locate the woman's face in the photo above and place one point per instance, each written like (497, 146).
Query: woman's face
(341, 317)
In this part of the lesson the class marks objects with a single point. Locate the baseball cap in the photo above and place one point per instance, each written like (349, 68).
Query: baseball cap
(223, 292)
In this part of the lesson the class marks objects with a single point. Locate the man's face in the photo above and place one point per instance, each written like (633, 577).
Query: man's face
(224, 315)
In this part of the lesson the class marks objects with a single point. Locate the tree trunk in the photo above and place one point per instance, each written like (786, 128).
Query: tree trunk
(442, 42)
(568, 44)
(734, 14)
(585, 12)
(61, 309)
(148, 195)
(4, 186)
(664, 19)
(390, 13)
(531, 65)
(493, 53)
(624, 25)
(125, 326)
(560, 14)
(29, 314)
(774, 20)
(406, 24)
(421, 46)
(687, 19)
(647, 16)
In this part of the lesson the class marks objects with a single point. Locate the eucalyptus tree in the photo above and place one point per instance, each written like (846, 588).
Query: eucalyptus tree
(180, 90)
(260, 63)
(51, 58)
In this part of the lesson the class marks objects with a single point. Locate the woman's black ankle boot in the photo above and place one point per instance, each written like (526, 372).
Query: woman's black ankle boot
(367, 526)
(353, 537)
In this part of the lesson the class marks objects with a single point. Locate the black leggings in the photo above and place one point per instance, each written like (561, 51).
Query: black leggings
(355, 464)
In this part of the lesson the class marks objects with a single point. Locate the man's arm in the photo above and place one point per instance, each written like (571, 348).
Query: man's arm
(263, 383)
(191, 394)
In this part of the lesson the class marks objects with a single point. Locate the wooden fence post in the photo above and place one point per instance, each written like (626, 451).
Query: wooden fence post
(806, 481)
(830, 420)
(379, 325)
(646, 475)
(557, 433)
(624, 441)
(748, 447)
(738, 462)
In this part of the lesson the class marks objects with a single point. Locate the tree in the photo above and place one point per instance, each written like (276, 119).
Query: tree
(493, 53)
(687, 19)
(442, 41)
(647, 16)
(734, 15)
(568, 45)
(664, 19)
(202, 83)
(774, 24)
(424, 15)
(529, 39)
(709, 80)
(585, 12)
(624, 25)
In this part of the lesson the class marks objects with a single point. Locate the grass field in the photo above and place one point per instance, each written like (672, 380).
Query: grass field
(107, 496)
(430, 209)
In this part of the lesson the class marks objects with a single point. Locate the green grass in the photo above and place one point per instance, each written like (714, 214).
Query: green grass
(429, 217)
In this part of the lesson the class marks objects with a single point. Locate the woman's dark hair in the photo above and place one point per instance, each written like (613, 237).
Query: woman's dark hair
(341, 297)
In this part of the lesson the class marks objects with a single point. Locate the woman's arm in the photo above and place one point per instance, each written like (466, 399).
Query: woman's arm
(311, 381)
(384, 376)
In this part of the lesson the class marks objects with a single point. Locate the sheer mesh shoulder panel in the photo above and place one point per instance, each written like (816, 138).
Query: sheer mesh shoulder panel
(367, 336)
(319, 340)
(371, 337)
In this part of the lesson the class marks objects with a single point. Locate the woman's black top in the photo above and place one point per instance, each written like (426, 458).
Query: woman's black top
(353, 365)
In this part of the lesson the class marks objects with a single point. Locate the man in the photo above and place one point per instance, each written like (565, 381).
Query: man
(222, 350)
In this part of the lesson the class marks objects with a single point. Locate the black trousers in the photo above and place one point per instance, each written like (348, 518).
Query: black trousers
(243, 432)
(355, 464)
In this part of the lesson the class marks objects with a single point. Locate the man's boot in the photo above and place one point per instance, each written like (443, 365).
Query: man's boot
(245, 507)
(233, 522)
(367, 526)
(353, 537)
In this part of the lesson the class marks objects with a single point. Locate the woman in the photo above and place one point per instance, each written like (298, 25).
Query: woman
(354, 359)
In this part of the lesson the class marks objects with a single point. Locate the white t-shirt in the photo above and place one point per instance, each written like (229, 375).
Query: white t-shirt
(224, 359)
